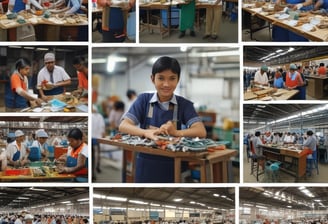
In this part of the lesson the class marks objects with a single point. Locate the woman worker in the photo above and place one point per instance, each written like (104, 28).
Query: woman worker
(17, 152)
(17, 97)
(76, 158)
(278, 81)
(157, 113)
(281, 34)
(41, 143)
(294, 80)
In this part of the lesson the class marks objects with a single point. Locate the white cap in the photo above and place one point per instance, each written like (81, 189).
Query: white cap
(28, 217)
(49, 57)
(19, 133)
(41, 134)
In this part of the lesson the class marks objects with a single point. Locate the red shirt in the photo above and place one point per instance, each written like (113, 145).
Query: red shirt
(83, 81)
(17, 81)
(322, 70)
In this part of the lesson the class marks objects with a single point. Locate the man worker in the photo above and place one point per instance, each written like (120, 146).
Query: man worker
(52, 78)
(261, 77)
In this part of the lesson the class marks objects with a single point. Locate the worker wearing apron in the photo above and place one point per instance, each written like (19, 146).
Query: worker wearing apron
(162, 112)
(294, 80)
(76, 159)
(17, 153)
(281, 34)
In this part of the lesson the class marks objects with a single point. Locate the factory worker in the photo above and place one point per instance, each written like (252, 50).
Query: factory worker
(41, 143)
(157, 113)
(3, 161)
(261, 77)
(28, 219)
(76, 159)
(17, 152)
(294, 80)
(19, 5)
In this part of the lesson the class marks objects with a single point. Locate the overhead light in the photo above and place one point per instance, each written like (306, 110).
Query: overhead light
(99, 196)
(18, 47)
(112, 60)
(99, 60)
(37, 189)
(216, 195)
(156, 205)
(42, 49)
(116, 198)
(192, 202)
(23, 198)
(291, 49)
(177, 199)
(169, 206)
(259, 206)
(65, 202)
(138, 202)
(279, 50)
(183, 48)
(83, 199)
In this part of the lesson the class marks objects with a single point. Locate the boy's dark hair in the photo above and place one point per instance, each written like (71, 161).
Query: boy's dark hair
(166, 63)
(257, 133)
(130, 93)
(22, 63)
(75, 133)
(119, 105)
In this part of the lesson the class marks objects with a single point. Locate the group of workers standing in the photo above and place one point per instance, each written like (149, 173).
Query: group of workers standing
(51, 80)
(18, 152)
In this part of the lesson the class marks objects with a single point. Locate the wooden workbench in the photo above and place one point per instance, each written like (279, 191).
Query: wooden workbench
(316, 35)
(217, 161)
(281, 94)
(287, 156)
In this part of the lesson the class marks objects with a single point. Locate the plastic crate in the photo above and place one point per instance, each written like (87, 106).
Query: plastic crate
(175, 17)
(59, 151)
(18, 172)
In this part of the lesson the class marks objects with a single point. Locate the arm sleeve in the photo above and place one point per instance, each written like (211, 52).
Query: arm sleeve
(64, 75)
(190, 115)
(85, 151)
(137, 112)
(76, 6)
(15, 82)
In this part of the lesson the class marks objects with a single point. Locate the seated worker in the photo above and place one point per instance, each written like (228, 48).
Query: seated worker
(157, 113)
(257, 143)
(41, 143)
(261, 77)
(52, 78)
(17, 152)
(20, 5)
(17, 97)
(294, 80)
(76, 158)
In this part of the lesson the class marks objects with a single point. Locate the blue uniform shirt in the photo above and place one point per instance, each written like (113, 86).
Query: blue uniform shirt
(151, 168)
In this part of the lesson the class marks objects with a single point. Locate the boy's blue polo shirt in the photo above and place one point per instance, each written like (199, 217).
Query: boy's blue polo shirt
(151, 168)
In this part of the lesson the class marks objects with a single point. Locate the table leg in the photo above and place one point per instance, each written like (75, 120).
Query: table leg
(177, 170)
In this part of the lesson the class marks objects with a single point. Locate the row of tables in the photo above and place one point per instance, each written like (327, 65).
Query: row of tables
(269, 94)
(316, 35)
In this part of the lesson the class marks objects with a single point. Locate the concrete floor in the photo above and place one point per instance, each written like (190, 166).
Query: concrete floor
(228, 34)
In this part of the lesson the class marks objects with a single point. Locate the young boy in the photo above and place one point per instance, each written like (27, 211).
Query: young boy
(162, 112)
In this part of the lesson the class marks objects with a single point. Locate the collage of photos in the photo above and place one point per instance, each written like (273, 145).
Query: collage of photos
(163, 111)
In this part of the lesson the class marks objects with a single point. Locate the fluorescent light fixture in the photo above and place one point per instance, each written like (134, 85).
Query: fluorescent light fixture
(223, 196)
(99, 61)
(37, 189)
(65, 202)
(216, 54)
(23, 198)
(291, 49)
(279, 50)
(247, 205)
(177, 199)
(42, 49)
(138, 202)
(155, 205)
(216, 195)
(116, 198)
(29, 48)
(192, 202)
(183, 48)
(317, 200)
(15, 47)
(112, 60)
(99, 196)
(83, 199)
(169, 206)
(259, 206)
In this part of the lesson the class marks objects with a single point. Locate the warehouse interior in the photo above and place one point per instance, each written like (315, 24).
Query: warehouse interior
(293, 118)
(216, 68)
(301, 204)
(44, 202)
(280, 57)
(164, 205)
